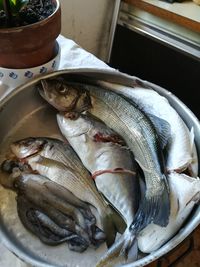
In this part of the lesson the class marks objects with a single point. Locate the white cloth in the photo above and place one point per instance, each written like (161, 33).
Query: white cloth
(73, 56)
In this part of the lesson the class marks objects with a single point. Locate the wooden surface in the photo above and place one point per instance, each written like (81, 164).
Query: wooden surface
(190, 259)
(166, 14)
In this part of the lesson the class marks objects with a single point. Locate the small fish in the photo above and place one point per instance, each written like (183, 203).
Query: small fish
(139, 134)
(58, 161)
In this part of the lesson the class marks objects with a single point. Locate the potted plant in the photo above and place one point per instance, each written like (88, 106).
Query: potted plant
(28, 32)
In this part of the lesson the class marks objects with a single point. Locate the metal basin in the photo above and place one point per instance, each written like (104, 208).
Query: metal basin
(24, 113)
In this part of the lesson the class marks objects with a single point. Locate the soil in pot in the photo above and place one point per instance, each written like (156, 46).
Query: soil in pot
(32, 12)
(2, 18)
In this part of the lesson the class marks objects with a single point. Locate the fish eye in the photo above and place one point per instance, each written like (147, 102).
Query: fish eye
(27, 144)
(62, 89)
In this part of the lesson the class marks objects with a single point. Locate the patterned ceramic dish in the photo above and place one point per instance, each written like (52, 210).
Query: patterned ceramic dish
(11, 78)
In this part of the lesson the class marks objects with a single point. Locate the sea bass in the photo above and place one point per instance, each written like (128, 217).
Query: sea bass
(137, 131)
(58, 162)
(104, 154)
(181, 152)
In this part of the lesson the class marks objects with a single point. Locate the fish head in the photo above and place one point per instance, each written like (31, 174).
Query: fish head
(11, 171)
(64, 96)
(27, 147)
(74, 128)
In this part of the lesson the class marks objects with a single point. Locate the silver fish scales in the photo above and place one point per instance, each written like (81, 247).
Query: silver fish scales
(137, 131)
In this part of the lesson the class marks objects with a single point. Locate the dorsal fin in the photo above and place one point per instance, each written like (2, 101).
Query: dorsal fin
(162, 128)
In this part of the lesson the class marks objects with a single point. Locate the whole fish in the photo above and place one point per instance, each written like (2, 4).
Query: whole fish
(181, 151)
(57, 161)
(137, 131)
(104, 154)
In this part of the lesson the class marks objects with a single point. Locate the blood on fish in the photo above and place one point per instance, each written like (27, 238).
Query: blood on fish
(100, 137)
(71, 115)
(116, 170)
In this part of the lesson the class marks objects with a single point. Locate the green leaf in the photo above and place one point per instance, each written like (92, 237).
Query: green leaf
(1, 4)
(16, 5)
(14, 2)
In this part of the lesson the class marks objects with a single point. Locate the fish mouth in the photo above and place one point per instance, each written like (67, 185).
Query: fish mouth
(9, 164)
(43, 93)
(27, 150)
(84, 131)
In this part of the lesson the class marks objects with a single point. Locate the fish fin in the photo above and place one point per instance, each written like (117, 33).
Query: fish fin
(109, 229)
(112, 222)
(163, 208)
(154, 209)
(162, 128)
(129, 250)
(142, 166)
(111, 254)
(133, 251)
(192, 139)
(125, 247)
(118, 221)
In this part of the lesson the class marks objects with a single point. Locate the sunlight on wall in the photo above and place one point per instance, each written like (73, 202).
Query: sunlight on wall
(87, 23)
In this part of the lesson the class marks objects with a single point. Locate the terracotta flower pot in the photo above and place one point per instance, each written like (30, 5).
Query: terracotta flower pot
(31, 45)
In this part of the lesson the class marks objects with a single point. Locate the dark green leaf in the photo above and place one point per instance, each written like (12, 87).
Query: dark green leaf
(16, 5)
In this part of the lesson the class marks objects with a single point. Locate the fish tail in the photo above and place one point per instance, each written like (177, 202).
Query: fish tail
(108, 229)
(129, 249)
(117, 220)
(112, 223)
(163, 208)
(124, 248)
(154, 209)
(111, 254)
